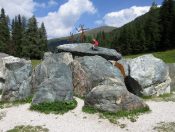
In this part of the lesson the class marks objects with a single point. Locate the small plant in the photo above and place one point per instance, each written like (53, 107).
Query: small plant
(7, 104)
(165, 127)
(112, 117)
(2, 115)
(90, 110)
(59, 107)
(35, 63)
(28, 128)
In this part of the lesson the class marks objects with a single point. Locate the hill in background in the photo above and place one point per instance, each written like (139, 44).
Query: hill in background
(52, 43)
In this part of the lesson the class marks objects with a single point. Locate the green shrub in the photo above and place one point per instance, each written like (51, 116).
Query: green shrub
(28, 129)
(59, 107)
(112, 117)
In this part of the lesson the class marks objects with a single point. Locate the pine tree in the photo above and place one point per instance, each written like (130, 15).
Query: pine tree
(4, 32)
(173, 27)
(30, 42)
(42, 36)
(166, 16)
(152, 28)
(17, 35)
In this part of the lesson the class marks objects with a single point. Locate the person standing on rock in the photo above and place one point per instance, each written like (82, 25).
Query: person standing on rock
(95, 44)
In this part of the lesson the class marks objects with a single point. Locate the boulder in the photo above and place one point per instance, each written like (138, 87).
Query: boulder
(89, 71)
(172, 75)
(150, 73)
(4, 59)
(85, 49)
(53, 79)
(54, 89)
(17, 82)
(41, 72)
(112, 96)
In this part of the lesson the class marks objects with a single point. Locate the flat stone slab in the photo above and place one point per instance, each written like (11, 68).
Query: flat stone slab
(85, 49)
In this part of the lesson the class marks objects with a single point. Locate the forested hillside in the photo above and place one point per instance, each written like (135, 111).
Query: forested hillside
(154, 31)
(21, 37)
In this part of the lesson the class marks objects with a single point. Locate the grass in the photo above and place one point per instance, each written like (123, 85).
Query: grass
(1, 92)
(58, 107)
(161, 96)
(7, 104)
(28, 128)
(165, 127)
(112, 117)
(167, 56)
(164, 97)
(35, 63)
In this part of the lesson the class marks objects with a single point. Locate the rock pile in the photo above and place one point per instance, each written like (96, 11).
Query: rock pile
(76, 69)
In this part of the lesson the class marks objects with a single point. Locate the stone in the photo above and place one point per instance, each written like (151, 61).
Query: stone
(2, 55)
(89, 71)
(172, 75)
(17, 84)
(41, 71)
(150, 73)
(125, 63)
(4, 61)
(85, 49)
(52, 79)
(55, 89)
(113, 96)
(63, 57)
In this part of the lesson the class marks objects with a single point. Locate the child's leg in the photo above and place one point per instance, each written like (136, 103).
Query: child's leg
(93, 47)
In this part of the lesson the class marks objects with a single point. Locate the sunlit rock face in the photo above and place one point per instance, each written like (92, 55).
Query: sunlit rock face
(16, 76)
(150, 73)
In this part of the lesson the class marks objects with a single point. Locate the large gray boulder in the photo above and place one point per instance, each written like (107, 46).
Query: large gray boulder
(84, 49)
(150, 73)
(17, 81)
(52, 79)
(4, 58)
(112, 96)
(89, 71)
(172, 75)
(42, 71)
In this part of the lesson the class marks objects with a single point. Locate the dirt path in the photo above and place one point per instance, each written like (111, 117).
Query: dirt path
(77, 121)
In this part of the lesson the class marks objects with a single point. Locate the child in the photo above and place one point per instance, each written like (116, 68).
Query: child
(95, 44)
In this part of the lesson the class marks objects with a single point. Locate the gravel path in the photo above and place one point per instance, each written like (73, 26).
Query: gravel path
(77, 121)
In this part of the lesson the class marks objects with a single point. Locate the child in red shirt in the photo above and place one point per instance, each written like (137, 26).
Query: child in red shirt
(95, 44)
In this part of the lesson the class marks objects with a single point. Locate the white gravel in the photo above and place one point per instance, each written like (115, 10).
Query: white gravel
(77, 121)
